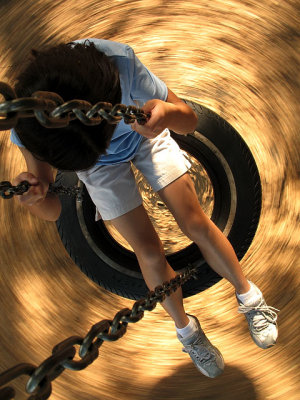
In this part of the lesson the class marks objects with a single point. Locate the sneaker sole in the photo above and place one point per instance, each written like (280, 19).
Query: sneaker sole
(206, 374)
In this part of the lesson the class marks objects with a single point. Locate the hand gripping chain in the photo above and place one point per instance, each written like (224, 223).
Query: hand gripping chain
(7, 190)
(39, 384)
(52, 112)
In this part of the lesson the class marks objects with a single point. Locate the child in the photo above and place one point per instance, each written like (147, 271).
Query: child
(101, 70)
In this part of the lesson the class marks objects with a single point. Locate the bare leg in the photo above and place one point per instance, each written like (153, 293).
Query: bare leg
(136, 227)
(181, 199)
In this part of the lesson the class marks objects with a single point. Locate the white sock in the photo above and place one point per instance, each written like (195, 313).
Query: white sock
(250, 298)
(187, 330)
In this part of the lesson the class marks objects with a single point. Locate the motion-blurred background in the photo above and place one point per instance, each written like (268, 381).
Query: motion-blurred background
(241, 59)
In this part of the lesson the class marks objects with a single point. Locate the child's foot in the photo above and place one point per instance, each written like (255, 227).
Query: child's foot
(205, 356)
(261, 318)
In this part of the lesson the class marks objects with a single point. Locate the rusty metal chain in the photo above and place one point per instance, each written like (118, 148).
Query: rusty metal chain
(7, 190)
(52, 112)
(39, 384)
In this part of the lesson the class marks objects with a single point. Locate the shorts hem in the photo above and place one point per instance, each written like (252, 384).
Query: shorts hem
(119, 211)
(165, 180)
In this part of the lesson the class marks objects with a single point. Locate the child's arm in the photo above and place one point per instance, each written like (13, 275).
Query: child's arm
(36, 199)
(173, 114)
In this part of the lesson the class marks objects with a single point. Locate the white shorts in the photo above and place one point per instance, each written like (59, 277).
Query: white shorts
(113, 188)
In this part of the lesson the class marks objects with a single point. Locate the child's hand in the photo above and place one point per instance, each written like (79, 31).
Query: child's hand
(158, 121)
(36, 193)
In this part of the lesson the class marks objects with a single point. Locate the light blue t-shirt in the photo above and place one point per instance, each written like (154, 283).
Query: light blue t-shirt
(138, 85)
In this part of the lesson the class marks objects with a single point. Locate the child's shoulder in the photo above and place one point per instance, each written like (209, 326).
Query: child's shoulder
(110, 47)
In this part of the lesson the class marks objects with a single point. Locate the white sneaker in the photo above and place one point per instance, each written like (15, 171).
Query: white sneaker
(261, 320)
(206, 357)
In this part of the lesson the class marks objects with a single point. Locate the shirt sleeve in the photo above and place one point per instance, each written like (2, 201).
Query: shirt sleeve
(145, 85)
(15, 138)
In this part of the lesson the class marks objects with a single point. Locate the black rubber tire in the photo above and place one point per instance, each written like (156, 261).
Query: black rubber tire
(237, 204)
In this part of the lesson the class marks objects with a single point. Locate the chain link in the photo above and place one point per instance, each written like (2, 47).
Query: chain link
(7, 190)
(39, 383)
(52, 112)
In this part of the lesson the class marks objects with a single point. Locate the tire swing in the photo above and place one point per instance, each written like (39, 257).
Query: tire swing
(226, 170)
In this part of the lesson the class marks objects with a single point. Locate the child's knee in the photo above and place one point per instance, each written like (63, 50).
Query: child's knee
(196, 228)
(151, 256)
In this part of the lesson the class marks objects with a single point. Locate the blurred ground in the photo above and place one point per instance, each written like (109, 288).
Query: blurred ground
(241, 59)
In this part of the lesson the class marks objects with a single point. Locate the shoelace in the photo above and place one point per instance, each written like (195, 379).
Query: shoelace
(260, 321)
(193, 348)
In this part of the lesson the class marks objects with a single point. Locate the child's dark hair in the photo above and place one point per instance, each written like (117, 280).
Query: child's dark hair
(74, 71)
